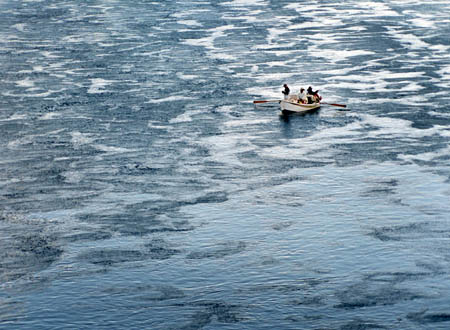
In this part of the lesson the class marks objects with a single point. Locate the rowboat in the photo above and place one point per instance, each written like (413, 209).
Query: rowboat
(288, 107)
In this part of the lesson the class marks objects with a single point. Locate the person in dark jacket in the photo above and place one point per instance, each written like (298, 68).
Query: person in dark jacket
(286, 91)
(313, 97)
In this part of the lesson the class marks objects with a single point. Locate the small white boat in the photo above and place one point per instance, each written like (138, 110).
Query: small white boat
(289, 107)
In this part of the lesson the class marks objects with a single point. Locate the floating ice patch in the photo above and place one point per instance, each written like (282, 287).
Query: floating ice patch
(225, 148)
(240, 122)
(319, 22)
(189, 23)
(274, 34)
(410, 40)
(15, 117)
(19, 27)
(208, 42)
(335, 56)
(50, 115)
(81, 138)
(48, 54)
(378, 81)
(426, 156)
(156, 125)
(98, 85)
(27, 83)
(221, 56)
(263, 78)
(444, 72)
(245, 3)
(183, 76)
(378, 9)
(171, 99)
(244, 18)
(422, 22)
(394, 127)
(28, 94)
(314, 145)
(440, 49)
(268, 92)
(355, 28)
(112, 149)
(186, 116)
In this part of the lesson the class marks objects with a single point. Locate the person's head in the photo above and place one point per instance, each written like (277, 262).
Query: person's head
(285, 85)
(302, 90)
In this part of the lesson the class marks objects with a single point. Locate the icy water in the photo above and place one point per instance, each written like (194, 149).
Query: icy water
(140, 188)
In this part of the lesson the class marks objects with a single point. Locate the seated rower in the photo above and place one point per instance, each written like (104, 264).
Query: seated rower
(313, 97)
(302, 98)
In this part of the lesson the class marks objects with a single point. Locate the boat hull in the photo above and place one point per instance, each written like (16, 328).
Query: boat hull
(297, 108)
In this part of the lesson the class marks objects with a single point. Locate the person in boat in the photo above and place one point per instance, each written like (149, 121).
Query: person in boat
(302, 97)
(286, 91)
(313, 97)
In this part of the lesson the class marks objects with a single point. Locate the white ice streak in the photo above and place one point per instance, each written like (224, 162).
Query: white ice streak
(209, 43)
(378, 82)
(189, 22)
(27, 83)
(360, 9)
(50, 55)
(19, 27)
(335, 56)
(98, 85)
(245, 3)
(423, 22)
(50, 116)
(172, 98)
(156, 125)
(319, 22)
(15, 117)
(312, 145)
(112, 149)
(444, 72)
(426, 156)
(43, 94)
(89, 38)
(186, 116)
(79, 139)
(408, 39)
(31, 138)
(183, 76)
(378, 9)
(240, 122)
(316, 146)
(224, 148)
(261, 78)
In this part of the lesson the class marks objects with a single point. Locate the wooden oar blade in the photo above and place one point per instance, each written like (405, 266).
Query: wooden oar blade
(337, 105)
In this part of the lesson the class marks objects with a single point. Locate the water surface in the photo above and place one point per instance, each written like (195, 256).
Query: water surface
(141, 188)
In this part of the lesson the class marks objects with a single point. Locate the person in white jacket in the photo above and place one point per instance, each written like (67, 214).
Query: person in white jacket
(302, 97)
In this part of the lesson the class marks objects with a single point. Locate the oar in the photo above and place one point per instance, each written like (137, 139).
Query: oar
(335, 104)
(266, 101)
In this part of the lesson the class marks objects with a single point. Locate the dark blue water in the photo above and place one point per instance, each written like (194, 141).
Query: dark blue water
(140, 188)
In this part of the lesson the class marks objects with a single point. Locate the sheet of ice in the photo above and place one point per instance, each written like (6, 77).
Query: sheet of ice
(27, 83)
(190, 22)
(171, 98)
(245, 3)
